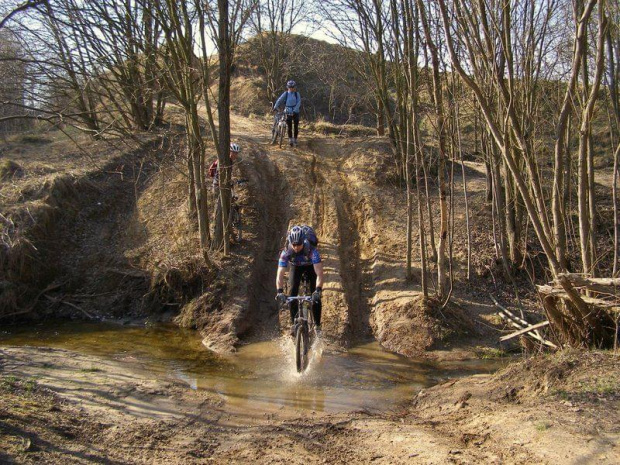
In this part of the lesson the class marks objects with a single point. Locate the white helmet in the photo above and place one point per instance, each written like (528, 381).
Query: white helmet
(296, 235)
(234, 147)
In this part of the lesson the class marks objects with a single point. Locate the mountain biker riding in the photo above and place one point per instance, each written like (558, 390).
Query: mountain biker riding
(214, 171)
(291, 101)
(304, 258)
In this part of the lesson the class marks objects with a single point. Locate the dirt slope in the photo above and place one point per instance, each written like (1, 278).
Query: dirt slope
(123, 245)
(342, 187)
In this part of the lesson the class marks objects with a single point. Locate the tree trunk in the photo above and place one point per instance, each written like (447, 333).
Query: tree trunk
(422, 233)
(380, 118)
(225, 58)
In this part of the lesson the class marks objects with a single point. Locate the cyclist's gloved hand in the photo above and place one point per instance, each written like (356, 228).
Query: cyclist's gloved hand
(280, 297)
(316, 295)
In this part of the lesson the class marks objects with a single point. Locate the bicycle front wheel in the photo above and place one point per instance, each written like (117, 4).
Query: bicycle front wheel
(282, 132)
(274, 134)
(301, 347)
(236, 221)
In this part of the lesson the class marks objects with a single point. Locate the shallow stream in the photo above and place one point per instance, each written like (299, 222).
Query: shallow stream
(261, 376)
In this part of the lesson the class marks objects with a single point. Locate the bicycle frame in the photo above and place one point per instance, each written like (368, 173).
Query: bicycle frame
(300, 313)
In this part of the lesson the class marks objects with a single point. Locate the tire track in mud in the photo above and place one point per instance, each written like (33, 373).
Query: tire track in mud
(313, 190)
(340, 217)
(318, 196)
(351, 267)
(270, 197)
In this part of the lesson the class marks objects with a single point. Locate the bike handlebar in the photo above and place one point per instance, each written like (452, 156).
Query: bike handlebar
(301, 298)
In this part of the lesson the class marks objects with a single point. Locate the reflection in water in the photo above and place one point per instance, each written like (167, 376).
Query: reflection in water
(260, 377)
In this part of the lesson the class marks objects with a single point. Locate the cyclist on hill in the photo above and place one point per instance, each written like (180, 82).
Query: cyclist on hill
(291, 101)
(304, 258)
(214, 171)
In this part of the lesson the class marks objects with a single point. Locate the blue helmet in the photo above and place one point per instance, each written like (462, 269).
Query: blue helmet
(291, 83)
(296, 236)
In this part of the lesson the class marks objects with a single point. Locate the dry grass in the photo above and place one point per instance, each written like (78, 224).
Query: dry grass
(345, 130)
(9, 169)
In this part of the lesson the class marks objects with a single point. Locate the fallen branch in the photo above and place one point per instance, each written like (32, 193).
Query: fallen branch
(524, 330)
(552, 291)
(49, 288)
(521, 324)
(604, 285)
(61, 301)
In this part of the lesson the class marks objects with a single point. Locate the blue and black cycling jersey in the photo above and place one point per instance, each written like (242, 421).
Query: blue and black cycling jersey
(306, 256)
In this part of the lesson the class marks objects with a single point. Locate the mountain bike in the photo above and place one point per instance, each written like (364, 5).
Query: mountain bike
(303, 326)
(279, 128)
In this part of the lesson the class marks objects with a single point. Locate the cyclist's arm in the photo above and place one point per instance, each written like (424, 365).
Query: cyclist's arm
(318, 269)
(280, 277)
(279, 101)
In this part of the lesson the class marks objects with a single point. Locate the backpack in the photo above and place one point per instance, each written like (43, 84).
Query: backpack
(310, 235)
(213, 169)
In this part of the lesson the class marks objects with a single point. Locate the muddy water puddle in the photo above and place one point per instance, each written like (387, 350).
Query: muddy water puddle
(259, 378)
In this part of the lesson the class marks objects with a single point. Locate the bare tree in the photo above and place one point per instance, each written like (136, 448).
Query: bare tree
(272, 24)
(15, 10)
(480, 28)
(178, 64)
(13, 75)
(440, 128)
(613, 75)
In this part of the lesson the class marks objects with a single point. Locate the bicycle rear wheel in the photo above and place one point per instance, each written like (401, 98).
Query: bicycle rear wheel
(301, 347)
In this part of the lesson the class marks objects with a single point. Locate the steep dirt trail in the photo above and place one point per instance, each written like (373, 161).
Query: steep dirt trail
(330, 159)
(312, 187)
(270, 197)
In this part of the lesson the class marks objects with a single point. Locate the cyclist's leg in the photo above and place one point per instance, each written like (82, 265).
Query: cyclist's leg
(289, 125)
(296, 124)
(317, 307)
(294, 278)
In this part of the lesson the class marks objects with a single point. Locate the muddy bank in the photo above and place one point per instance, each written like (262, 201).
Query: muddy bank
(124, 247)
(561, 408)
(65, 229)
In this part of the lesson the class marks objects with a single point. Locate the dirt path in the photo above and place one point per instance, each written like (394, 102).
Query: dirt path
(335, 185)
(318, 187)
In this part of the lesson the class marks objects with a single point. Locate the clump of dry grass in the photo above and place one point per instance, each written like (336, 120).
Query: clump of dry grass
(9, 169)
(250, 97)
(349, 130)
